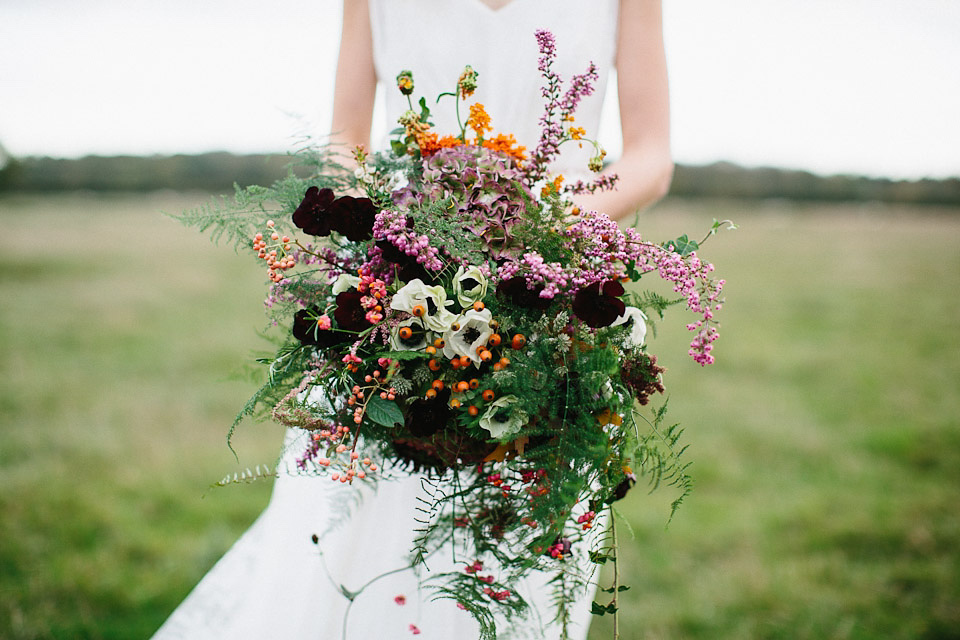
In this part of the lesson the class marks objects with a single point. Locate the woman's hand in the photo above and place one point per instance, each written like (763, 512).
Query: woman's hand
(646, 167)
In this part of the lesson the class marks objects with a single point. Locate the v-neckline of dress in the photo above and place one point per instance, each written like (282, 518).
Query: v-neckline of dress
(483, 5)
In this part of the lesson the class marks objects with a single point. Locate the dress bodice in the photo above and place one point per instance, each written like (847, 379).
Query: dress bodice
(436, 38)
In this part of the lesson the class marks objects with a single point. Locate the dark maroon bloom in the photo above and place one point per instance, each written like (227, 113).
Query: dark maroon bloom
(313, 213)
(350, 314)
(407, 266)
(515, 289)
(599, 304)
(353, 217)
(426, 416)
(620, 491)
(320, 213)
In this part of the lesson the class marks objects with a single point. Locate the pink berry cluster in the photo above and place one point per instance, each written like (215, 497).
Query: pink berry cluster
(559, 549)
(475, 569)
(276, 255)
(375, 290)
(586, 520)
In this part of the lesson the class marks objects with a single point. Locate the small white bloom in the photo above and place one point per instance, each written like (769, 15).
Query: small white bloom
(501, 421)
(433, 300)
(474, 331)
(344, 282)
(470, 285)
(638, 330)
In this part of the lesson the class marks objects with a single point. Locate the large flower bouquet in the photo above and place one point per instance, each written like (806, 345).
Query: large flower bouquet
(445, 309)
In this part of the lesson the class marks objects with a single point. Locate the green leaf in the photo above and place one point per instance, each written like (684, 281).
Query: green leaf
(598, 609)
(398, 148)
(424, 110)
(404, 355)
(622, 587)
(596, 557)
(384, 412)
(684, 245)
(632, 272)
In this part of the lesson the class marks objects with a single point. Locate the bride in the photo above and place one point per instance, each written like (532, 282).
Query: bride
(309, 567)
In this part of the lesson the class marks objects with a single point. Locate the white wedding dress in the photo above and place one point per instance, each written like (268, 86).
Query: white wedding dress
(275, 582)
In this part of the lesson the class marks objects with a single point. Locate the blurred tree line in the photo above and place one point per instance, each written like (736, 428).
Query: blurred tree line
(218, 172)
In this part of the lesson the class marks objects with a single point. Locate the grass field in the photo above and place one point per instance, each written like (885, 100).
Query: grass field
(825, 441)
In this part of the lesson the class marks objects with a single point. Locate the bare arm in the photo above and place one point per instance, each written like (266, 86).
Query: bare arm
(646, 166)
(356, 81)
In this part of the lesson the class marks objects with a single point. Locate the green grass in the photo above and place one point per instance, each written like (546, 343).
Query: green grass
(825, 441)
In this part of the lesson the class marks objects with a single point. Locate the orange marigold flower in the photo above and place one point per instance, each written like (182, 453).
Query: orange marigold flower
(479, 121)
(428, 143)
(447, 142)
(507, 144)
(552, 187)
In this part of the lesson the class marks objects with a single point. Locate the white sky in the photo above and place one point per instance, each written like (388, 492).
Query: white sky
(854, 86)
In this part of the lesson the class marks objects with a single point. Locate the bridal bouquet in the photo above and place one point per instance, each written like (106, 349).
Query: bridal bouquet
(445, 309)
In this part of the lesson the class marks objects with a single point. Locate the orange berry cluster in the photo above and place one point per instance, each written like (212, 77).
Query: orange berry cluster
(353, 466)
(276, 255)
(359, 395)
(485, 352)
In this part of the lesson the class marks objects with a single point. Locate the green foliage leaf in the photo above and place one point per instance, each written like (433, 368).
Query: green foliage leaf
(684, 245)
(424, 110)
(622, 587)
(384, 412)
(598, 609)
(632, 272)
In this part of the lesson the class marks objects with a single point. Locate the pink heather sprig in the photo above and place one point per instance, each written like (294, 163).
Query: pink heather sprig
(581, 85)
(691, 279)
(392, 227)
(603, 182)
(600, 247)
(551, 134)
(557, 109)
(551, 275)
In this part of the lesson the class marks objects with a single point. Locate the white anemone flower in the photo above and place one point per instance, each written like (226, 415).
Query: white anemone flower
(432, 300)
(638, 330)
(500, 421)
(416, 342)
(344, 282)
(474, 331)
(470, 285)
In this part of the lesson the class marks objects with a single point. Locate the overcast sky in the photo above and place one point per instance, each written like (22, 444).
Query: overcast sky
(852, 86)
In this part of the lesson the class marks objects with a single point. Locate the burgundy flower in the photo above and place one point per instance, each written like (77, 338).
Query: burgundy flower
(599, 304)
(352, 217)
(426, 416)
(515, 289)
(350, 314)
(407, 266)
(313, 213)
(320, 213)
